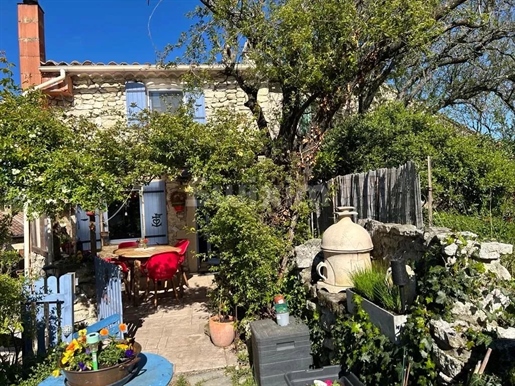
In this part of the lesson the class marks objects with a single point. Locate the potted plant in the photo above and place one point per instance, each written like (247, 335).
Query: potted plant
(381, 299)
(98, 359)
(221, 325)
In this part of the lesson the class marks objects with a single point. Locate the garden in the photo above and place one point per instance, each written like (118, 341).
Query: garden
(376, 85)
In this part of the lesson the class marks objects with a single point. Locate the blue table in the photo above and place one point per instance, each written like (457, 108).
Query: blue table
(152, 370)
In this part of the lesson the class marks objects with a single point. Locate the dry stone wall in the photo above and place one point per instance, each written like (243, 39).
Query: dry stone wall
(451, 346)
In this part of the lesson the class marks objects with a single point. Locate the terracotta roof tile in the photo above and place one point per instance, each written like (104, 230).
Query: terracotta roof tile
(89, 63)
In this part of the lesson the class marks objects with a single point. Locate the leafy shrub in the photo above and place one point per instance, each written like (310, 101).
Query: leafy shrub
(249, 252)
(471, 173)
(238, 192)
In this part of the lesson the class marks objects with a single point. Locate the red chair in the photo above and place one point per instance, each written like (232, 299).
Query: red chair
(128, 244)
(161, 266)
(183, 245)
(123, 265)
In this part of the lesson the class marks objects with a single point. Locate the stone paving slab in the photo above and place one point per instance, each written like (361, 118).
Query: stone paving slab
(209, 378)
(176, 330)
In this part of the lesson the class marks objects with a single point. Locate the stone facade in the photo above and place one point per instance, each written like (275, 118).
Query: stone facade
(103, 98)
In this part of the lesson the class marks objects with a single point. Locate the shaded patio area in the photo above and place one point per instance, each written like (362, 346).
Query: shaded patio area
(177, 330)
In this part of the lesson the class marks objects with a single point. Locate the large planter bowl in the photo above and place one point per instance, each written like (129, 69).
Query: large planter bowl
(117, 375)
(222, 333)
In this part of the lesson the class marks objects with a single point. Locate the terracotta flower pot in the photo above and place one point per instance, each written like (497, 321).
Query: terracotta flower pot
(222, 333)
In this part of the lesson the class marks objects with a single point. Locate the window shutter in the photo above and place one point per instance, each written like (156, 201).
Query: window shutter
(83, 229)
(199, 106)
(154, 213)
(136, 100)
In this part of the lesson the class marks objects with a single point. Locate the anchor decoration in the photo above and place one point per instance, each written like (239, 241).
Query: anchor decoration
(156, 220)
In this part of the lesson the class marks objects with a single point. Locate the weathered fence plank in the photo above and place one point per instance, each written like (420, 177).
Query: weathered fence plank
(387, 195)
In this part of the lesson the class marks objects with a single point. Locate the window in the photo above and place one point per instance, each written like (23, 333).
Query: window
(125, 221)
(165, 101)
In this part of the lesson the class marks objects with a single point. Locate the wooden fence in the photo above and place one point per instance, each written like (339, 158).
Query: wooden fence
(109, 290)
(386, 195)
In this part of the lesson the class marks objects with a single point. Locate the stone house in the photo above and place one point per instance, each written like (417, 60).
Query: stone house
(115, 89)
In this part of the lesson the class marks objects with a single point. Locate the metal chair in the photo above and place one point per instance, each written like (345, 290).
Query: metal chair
(160, 267)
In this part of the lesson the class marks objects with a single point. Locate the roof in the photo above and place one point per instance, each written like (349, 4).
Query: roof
(16, 225)
(88, 67)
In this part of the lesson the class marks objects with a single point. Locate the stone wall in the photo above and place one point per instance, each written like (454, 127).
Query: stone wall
(104, 98)
(406, 242)
(101, 99)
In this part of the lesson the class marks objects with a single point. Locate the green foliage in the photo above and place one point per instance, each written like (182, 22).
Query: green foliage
(37, 373)
(249, 252)
(362, 349)
(372, 284)
(52, 160)
(471, 173)
(239, 195)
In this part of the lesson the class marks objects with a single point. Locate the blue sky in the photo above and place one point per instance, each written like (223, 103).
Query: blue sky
(100, 30)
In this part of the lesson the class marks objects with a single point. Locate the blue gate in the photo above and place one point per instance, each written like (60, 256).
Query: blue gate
(109, 289)
(49, 313)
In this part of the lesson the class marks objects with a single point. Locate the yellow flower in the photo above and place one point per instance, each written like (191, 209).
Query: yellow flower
(82, 332)
(122, 346)
(66, 357)
(56, 373)
(104, 332)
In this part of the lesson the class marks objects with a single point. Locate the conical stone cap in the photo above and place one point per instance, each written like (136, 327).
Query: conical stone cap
(345, 236)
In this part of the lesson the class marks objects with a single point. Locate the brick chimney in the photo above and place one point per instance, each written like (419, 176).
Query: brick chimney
(31, 37)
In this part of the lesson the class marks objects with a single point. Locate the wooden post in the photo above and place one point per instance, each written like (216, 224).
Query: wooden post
(429, 192)
(92, 233)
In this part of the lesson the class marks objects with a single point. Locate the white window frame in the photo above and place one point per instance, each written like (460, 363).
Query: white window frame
(150, 89)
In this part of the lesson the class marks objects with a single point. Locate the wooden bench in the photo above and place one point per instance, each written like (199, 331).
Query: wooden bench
(112, 323)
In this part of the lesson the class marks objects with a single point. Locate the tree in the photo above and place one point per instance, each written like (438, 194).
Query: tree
(330, 56)
(51, 161)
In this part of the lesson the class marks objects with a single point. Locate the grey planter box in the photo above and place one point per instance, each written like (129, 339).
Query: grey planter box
(388, 323)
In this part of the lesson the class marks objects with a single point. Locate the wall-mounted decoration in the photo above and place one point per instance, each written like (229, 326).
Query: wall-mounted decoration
(178, 200)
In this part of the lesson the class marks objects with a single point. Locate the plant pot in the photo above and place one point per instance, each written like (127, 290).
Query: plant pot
(388, 323)
(222, 333)
(118, 374)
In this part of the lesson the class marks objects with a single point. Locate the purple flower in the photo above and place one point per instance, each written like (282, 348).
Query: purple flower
(129, 353)
(88, 350)
(82, 366)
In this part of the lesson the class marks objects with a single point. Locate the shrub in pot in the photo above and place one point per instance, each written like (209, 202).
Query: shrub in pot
(221, 326)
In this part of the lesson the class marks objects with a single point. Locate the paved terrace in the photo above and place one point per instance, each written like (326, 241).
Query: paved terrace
(177, 331)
